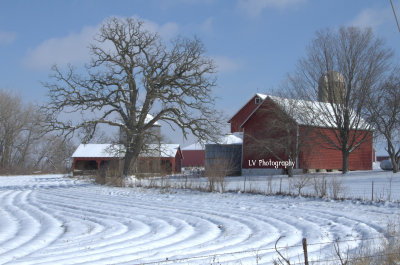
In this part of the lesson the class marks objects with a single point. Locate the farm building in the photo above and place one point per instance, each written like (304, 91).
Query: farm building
(157, 158)
(193, 156)
(225, 155)
(256, 120)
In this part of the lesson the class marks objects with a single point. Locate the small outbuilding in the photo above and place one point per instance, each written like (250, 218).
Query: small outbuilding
(193, 156)
(90, 157)
(157, 158)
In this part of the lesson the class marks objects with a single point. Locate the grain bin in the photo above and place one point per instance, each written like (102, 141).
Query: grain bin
(225, 156)
(331, 87)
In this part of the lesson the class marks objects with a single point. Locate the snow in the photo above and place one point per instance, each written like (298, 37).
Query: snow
(195, 146)
(99, 150)
(50, 219)
(309, 112)
(149, 118)
(231, 138)
(115, 150)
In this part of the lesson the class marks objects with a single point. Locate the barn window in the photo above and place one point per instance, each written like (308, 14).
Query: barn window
(257, 100)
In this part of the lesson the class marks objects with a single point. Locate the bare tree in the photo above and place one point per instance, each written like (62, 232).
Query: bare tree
(340, 69)
(132, 74)
(384, 114)
(20, 132)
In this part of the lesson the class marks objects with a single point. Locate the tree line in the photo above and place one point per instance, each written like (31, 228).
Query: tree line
(25, 145)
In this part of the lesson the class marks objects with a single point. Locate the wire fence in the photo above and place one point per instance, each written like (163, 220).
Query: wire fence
(261, 251)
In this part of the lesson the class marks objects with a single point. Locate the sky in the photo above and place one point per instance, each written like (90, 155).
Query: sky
(254, 43)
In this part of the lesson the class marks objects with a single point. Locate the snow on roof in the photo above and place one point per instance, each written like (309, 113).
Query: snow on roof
(162, 150)
(230, 138)
(99, 150)
(149, 118)
(195, 146)
(116, 150)
(307, 112)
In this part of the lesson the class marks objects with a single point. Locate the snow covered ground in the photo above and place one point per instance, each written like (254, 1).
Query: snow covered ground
(49, 219)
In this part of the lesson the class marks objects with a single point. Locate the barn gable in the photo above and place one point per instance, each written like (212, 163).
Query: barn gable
(245, 112)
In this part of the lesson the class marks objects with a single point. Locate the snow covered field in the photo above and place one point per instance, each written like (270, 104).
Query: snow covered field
(49, 219)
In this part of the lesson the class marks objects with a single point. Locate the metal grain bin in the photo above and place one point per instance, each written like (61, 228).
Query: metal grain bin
(223, 158)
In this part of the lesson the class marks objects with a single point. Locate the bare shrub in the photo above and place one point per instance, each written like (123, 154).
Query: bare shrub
(109, 175)
(299, 182)
(336, 187)
(216, 174)
(320, 186)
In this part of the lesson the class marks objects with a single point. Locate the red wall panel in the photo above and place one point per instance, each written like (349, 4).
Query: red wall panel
(193, 158)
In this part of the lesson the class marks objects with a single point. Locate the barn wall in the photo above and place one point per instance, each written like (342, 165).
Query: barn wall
(193, 158)
(242, 115)
(256, 127)
(317, 156)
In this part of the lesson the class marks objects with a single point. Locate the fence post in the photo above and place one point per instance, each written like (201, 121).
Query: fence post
(305, 251)
(372, 191)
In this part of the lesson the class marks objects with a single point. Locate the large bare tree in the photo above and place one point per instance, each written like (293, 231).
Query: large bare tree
(383, 113)
(134, 73)
(340, 69)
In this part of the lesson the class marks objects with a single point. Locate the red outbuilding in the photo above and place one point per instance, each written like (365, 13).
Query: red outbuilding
(257, 116)
(193, 155)
(158, 158)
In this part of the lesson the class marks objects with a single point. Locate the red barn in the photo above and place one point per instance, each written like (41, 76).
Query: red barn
(256, 117)
(193, 155)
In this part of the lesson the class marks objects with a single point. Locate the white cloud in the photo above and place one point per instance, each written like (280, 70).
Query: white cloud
(166, 31)
(7, 37)
(73, 48)
(225, 64)
(254, 8)
(373, 18)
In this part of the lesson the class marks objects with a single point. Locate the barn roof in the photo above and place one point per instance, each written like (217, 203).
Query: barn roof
(230, 138)
(118, 151)
(195, 146)
(99, 150)
(305, 112)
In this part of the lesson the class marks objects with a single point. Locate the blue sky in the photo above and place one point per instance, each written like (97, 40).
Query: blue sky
(255, 43)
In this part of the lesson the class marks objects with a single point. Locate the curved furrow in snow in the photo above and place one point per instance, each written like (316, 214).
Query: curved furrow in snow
(36, 229)
(220, 245)
(237, 246)
(53, 220)
(8, 220)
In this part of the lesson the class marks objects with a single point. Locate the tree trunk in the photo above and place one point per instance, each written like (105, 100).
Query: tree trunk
(395, 165)
(345, 162)
(290, 171)
(128, 160)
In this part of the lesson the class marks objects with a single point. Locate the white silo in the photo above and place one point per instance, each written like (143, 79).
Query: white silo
(331, 87)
